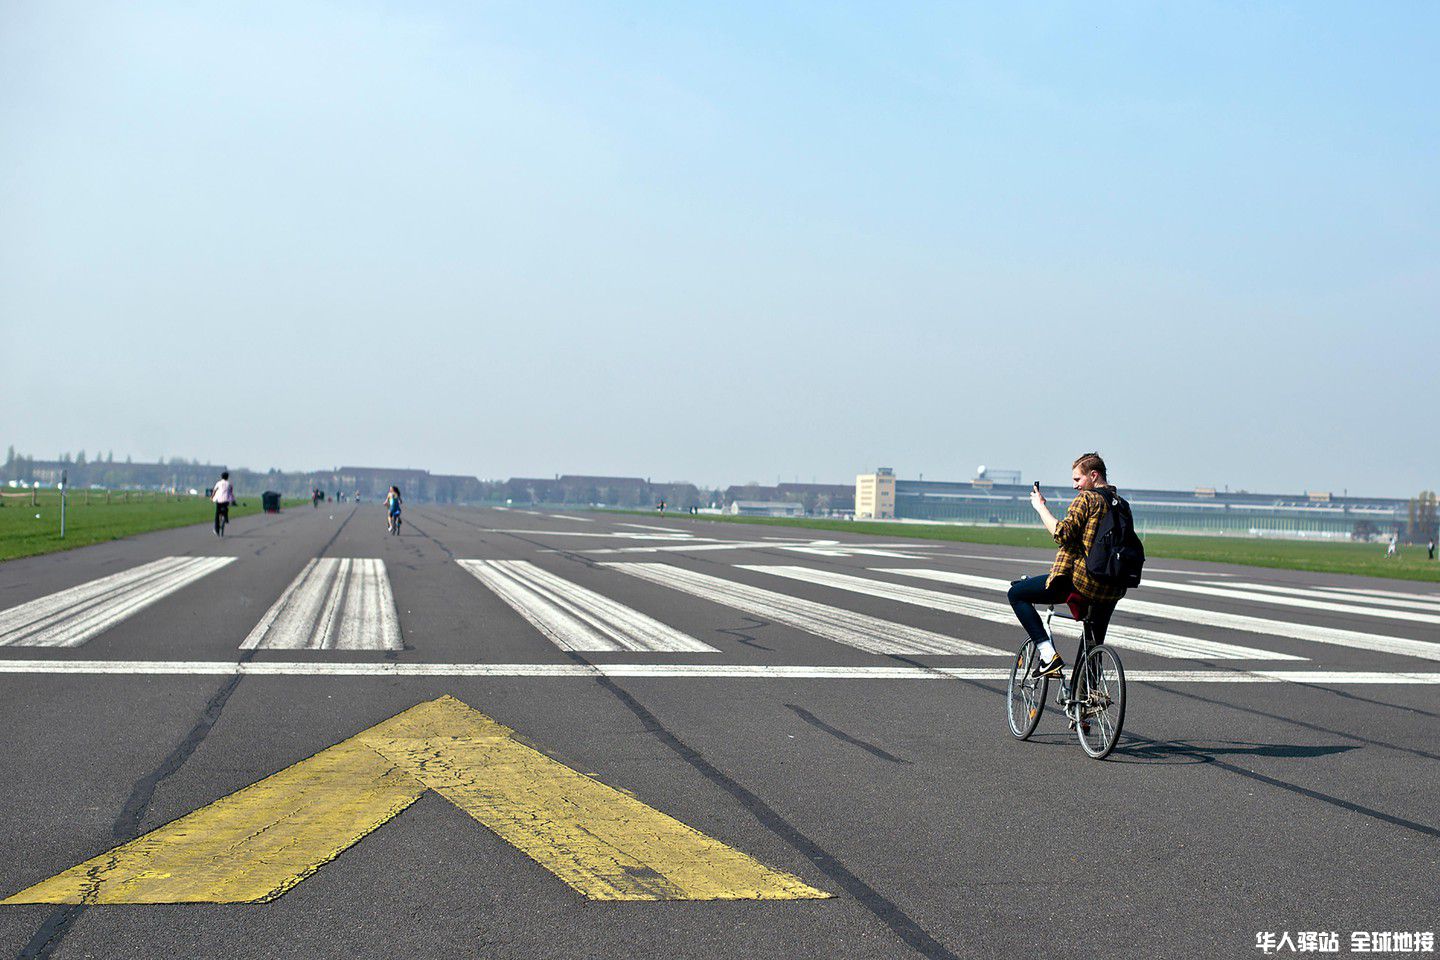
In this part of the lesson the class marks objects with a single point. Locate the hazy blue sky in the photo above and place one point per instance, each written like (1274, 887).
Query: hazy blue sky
(728, 242)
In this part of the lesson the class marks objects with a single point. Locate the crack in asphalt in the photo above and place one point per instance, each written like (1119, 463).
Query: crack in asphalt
(127, 825)
(839, 734)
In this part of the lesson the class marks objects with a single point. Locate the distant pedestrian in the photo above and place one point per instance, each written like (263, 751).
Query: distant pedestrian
(1390, 547)
(1431, 547)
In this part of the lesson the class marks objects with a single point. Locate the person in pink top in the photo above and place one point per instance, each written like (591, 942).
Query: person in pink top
(223, 495)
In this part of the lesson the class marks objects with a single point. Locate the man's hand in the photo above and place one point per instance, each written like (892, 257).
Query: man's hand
(1037, 500)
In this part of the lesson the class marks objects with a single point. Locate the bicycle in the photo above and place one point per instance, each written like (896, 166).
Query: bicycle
(1093, 698)
(222, 519)
(395, 524)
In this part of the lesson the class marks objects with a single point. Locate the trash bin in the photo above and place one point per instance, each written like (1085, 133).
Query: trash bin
(271, 501)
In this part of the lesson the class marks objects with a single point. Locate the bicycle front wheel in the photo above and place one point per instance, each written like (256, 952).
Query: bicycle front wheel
(1100, 702)
(1027, 692)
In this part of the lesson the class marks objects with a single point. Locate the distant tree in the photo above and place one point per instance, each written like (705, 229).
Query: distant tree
(10, 455)
(127, 458)
(80, 458)
(110, 456)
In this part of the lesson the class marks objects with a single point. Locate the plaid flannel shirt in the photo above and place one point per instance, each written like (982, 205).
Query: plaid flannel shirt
(1075, 534)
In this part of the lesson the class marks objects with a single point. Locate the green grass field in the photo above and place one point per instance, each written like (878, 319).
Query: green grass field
(1361, 559)
(23, 535)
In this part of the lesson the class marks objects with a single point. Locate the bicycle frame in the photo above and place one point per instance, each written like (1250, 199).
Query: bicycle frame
(1064, 697)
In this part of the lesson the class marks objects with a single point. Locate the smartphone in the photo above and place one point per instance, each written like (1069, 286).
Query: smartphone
(1037, 486)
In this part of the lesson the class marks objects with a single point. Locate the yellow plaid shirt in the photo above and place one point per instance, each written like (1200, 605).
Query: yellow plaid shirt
(1075, 534)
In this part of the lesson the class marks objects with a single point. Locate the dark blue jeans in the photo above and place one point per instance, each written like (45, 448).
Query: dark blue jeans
(1024, 594)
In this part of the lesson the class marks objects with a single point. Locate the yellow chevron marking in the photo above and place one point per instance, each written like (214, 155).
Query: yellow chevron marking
(256, 843)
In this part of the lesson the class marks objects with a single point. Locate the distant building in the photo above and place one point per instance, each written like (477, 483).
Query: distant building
(875, 495)
(766, 508)
(1201, 510)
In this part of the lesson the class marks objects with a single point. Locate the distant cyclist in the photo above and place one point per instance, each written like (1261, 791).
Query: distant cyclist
(1068, 574)
(223, 495)
(392, 509)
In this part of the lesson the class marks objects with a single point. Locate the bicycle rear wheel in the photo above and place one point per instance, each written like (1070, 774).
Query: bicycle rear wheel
(1100, 702)
(1026, 698)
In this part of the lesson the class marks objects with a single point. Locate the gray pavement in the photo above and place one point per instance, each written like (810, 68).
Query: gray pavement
(1231, 807)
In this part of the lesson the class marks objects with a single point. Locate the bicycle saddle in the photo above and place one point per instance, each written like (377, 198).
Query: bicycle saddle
(1079, 606)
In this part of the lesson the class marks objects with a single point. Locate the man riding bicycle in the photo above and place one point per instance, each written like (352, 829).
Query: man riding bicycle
(223, 495)
(1075, 534)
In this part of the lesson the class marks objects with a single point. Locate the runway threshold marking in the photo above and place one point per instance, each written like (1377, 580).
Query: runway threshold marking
(334, 603)
(71, 617)
(574, 618)
(257, 843)
(1335, 636)
(1125, 637)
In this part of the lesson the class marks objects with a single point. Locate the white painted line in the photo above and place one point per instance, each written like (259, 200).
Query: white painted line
(833, 548)
(673, 671)
(617, 535)
(1033, 560)
(1227, 593)
(1401, 594)
(689, 547)
(566, 516)
(646, 526)
(832, 623)
(1129, 638)
(824, 547)
(1431, 606)
(1335, 636)
(334, 604)
(70, 617)
(574, 618)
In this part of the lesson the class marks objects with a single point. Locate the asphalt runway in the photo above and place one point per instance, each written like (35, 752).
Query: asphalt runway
(799, 742)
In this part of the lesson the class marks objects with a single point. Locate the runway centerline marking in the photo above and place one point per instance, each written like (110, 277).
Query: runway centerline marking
(262, 840)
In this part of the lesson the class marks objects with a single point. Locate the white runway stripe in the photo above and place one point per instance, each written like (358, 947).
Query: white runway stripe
(856, 630)
(1228, 593)
(1413, 603)
(687, 671)
(1334, 636)
(574, 618)
(1128, 638)
(1430, 597)
(339, 604)
(70, 617)
(566, 516)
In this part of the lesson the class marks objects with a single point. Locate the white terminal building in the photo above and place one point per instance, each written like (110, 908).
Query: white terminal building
(880, 495)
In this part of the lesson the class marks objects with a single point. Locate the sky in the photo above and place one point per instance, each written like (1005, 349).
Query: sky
(728, 242)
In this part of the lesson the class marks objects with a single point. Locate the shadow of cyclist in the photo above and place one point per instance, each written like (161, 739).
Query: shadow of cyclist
(1135, 749)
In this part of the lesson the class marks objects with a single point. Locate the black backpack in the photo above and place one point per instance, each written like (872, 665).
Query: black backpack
(1117, 554)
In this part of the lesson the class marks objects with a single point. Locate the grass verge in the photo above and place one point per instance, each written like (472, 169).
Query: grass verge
(24, 534)
(1360, 559)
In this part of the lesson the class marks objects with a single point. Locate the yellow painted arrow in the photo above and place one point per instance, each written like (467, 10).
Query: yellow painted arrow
(258, 842)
